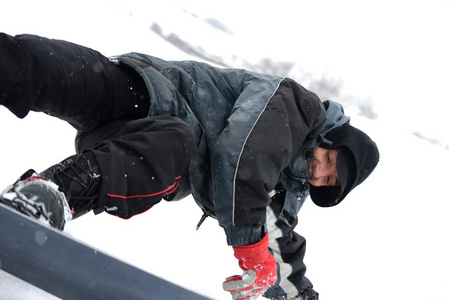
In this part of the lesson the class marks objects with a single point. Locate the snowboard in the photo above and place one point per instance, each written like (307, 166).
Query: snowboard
(70, 269)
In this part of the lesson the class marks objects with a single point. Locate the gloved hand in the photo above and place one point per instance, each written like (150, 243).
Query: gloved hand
(259, 268)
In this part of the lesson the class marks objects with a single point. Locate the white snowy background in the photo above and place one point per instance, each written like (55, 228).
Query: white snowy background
(387, 240)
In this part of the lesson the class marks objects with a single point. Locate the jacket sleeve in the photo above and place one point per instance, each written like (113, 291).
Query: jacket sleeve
(289, 121)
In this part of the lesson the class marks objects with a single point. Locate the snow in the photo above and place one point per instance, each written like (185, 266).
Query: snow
(387, 240)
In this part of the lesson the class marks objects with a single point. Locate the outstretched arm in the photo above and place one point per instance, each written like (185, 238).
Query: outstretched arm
(288, 123)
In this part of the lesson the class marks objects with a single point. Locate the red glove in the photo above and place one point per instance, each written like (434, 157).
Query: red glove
(259, 268)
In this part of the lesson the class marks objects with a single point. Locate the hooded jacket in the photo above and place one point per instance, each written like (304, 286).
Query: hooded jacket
(294, 178)
(252, 131)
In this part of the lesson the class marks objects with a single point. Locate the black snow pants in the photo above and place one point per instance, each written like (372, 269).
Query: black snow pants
(288, 248)
(140, 158)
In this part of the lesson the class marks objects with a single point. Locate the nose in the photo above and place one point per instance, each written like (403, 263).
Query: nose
(322, 171)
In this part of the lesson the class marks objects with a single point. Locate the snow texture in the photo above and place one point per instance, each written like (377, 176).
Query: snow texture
(387, 240)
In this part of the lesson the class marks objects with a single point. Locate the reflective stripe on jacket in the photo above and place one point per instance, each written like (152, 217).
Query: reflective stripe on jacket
(249, 127)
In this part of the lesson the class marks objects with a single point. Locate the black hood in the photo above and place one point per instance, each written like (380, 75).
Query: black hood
(357, 157)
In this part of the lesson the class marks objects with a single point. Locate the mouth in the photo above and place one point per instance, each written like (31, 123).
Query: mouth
(311, 169)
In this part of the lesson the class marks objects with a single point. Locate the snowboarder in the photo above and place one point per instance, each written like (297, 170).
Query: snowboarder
(249, 147)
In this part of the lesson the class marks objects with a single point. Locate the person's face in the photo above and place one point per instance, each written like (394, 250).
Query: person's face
(323, 167)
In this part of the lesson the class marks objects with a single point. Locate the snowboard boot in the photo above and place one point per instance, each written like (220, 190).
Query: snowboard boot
(59, 194)
(309, 294)
(78, 177)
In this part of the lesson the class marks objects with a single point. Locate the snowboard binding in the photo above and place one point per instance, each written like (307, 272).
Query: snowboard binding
(38, 198)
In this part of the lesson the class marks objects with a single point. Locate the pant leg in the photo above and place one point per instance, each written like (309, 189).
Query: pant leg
(140, 161)
(288, 248)
(68, 81)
